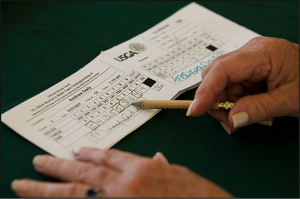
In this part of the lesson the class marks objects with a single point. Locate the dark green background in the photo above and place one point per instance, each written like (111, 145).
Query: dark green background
(44, 42)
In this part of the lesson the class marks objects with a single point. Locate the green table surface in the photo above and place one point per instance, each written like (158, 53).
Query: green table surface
(44, 42)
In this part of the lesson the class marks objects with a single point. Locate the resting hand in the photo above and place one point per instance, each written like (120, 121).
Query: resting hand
(261, 77)
(118, 174)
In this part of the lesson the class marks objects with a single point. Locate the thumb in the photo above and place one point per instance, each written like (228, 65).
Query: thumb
(260, 107)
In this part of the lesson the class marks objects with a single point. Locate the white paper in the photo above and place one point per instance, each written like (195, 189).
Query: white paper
(92, 106)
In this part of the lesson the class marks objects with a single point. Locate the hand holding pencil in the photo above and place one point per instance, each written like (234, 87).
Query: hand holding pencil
(261, 77)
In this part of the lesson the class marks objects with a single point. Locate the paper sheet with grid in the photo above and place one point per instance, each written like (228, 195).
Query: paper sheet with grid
(92, 106)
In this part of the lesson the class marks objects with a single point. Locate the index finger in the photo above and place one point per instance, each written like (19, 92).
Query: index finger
(75, 171)
(112, 158)
(237, 66)
(31, 188)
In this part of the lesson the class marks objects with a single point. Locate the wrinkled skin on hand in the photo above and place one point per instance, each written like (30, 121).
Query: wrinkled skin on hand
(261, 77)
(118, 174)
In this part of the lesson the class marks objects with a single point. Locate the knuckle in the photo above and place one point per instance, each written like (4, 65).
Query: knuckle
(260, 43)
(268, 43)
(138, 177)
(145, 164)
(230, 71)
(217, 64)
(262, 110)
(219, 61)
(106, 156)
(133, 182)
(241, 54)
(214, 63)
(39, 191)
(101, 173)
(72, 190)
(82, 171)
(258, 40)
(86, 150)
(110, 152)
(273, 44)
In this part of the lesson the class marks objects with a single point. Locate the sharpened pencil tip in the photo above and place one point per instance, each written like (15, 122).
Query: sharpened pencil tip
(138, 104)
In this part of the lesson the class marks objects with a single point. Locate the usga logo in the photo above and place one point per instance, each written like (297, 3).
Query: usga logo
(136, 48)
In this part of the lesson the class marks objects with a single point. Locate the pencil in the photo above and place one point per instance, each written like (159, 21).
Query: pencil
(178, 104)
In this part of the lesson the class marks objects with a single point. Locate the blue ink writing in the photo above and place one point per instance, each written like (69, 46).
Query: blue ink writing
(195, 70)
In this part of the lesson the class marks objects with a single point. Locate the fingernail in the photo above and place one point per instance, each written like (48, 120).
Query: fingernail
(20, 185)
(226, 128)
(77, 150)
(162, 157)
(40, 161)
(190, 110)
(240, 119)
(266, 123)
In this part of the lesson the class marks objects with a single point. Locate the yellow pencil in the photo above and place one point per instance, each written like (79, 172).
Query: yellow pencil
(177, 104)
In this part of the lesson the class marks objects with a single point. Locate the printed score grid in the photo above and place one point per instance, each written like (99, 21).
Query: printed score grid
(108, 111)
(203, 44)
